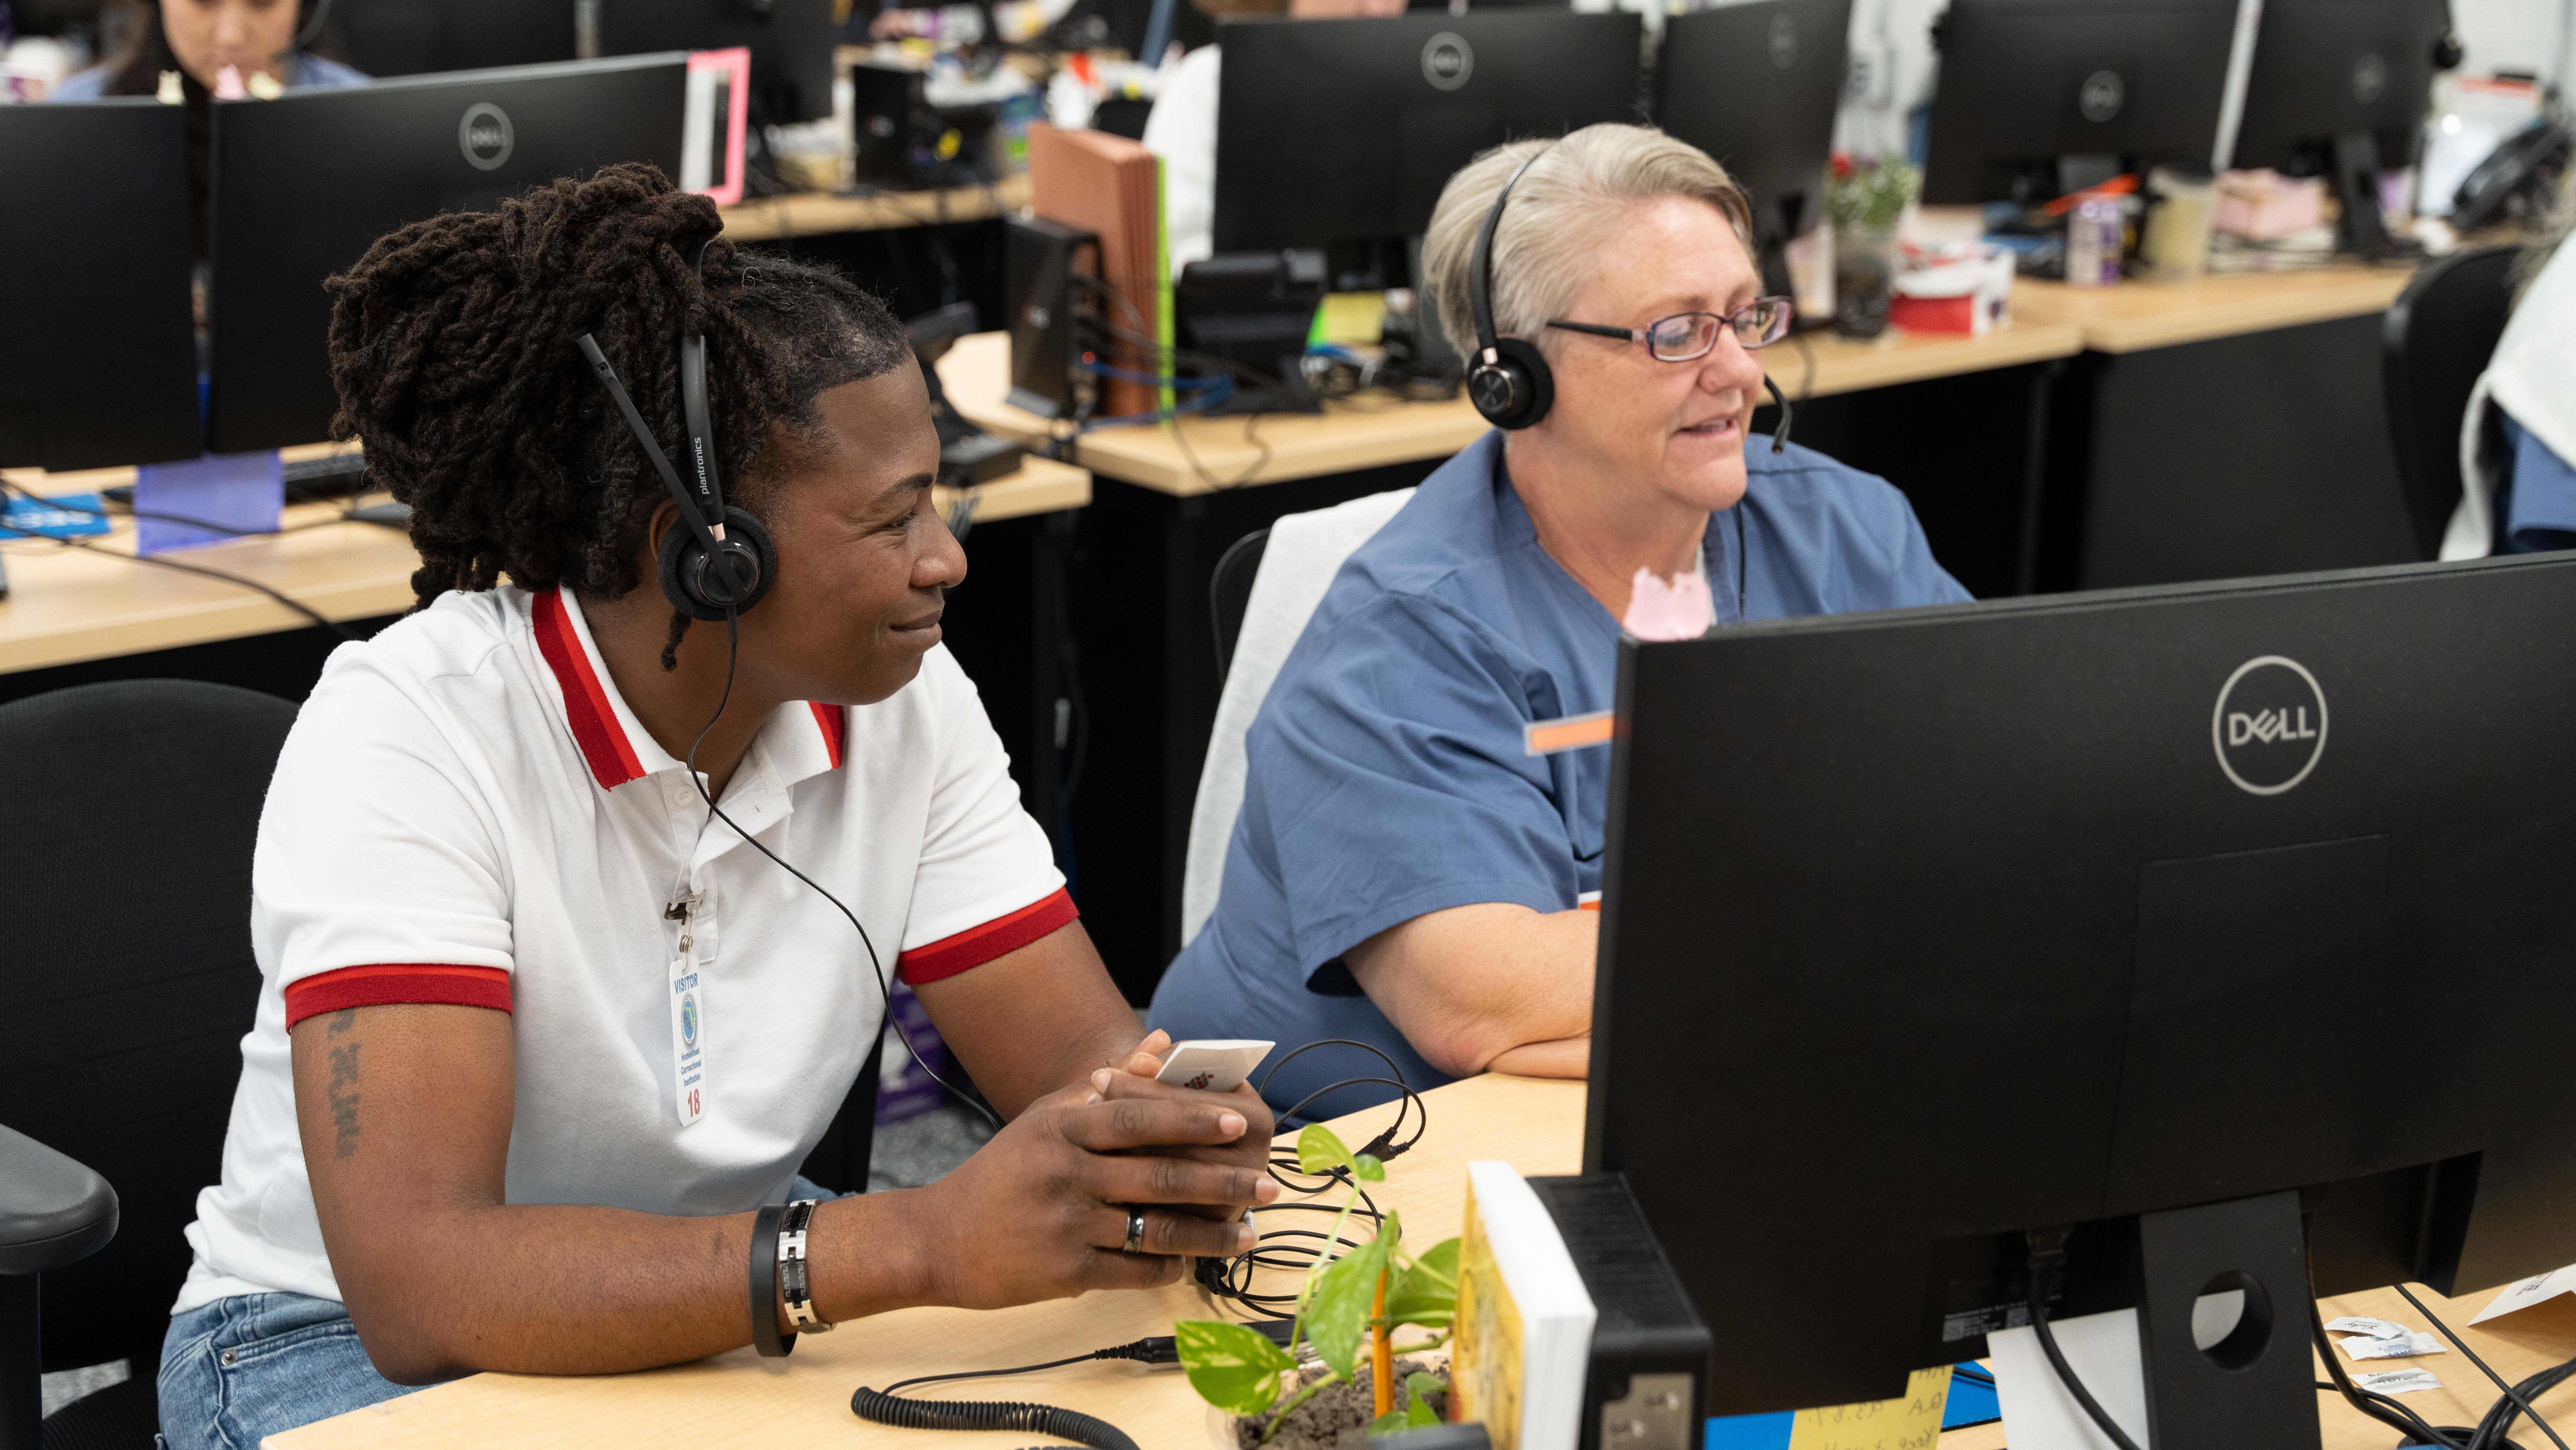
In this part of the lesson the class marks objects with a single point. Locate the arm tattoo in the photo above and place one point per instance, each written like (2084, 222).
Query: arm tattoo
(344, 1088)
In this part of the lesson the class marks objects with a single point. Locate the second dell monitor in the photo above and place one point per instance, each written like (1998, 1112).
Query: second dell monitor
(1332, 131)
(305, 183)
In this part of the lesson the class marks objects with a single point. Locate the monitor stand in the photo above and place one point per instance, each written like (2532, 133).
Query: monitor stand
(2354, 156)
(2255, 1386)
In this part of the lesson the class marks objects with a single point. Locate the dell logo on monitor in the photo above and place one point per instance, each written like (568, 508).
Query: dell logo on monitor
(1784, 40)
(2369, 79)
(484, 136)
(2270, 725)
(1447, 61)
(2102, 96)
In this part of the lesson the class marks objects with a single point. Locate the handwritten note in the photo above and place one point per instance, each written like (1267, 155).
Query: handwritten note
(1911, 1422)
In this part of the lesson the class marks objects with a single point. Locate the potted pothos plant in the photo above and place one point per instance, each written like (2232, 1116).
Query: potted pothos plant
(1359, 1299)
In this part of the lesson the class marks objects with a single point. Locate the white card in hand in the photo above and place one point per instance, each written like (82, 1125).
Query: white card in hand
(1215, 1066)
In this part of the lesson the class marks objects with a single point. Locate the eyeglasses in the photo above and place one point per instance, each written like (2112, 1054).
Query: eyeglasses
(1689, 336)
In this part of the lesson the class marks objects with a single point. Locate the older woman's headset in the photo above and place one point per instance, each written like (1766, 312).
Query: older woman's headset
(1508, 380)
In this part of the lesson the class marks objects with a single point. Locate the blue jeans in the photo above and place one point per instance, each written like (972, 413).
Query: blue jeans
(241, 1369)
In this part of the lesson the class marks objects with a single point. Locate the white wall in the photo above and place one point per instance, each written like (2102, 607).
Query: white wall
(2529, 35)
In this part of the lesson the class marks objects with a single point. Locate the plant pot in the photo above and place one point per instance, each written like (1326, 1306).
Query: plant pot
(1335, 1419)
(1864, 276)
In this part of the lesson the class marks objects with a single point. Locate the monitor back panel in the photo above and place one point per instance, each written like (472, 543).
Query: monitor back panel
(419, 37)
(305, 184)
(1936, 924)
(1345, 130)
(99, 365)
(2324, 67)
(790, 42)
(1756, 86)
(2032, 80)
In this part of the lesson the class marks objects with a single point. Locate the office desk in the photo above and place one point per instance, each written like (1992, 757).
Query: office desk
(1374, 431)
(1955, 421)
(2226, 427)
(67, 605)
(819, 213)
(740, 1400)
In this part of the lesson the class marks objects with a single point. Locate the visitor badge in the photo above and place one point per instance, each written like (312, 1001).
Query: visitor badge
(688, 1041)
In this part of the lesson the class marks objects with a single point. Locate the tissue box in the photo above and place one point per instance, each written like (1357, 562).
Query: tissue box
(1964, 288)
(2265, 206)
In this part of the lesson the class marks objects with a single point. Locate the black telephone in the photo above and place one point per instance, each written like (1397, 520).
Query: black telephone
(2519, 176)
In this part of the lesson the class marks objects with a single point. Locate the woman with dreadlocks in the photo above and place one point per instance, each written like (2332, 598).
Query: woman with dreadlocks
(575, 893)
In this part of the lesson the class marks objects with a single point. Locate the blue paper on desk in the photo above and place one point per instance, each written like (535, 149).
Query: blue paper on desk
(1970, 1403)
(65, 516)
(238, 493)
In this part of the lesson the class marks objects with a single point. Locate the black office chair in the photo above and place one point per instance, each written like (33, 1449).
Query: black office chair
(2435, 342)
(125, 836)
(1230, 593)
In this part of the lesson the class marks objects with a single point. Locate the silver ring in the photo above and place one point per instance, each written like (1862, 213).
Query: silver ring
(1135, 1231)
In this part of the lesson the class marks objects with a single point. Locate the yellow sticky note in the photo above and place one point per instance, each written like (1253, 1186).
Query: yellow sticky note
(1349, 318)
(1912, 1422)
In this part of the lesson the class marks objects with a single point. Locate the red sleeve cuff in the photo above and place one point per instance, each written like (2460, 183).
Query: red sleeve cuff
(376, 986)
(977, 945)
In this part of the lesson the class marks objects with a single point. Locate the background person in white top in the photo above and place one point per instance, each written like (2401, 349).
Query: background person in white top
(1182, 126)
(475, 1128)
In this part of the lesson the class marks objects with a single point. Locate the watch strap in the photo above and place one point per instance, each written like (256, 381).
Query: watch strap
(765, 1335)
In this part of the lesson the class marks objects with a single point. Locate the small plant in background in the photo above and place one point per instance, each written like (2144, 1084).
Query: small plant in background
(1362, 1297)
(1869, 192)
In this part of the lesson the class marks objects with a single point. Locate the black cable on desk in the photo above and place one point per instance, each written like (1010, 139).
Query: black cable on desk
(160, 562)
(2047, 1257)
(2512, 1395)
(2383, 1408)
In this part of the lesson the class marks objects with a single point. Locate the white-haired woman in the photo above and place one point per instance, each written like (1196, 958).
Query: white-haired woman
(1402, 872)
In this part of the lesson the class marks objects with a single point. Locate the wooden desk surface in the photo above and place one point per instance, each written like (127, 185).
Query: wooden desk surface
(740, 1400)
(2138, 315)
(1373, 430)
(67, 604)
(814, 213)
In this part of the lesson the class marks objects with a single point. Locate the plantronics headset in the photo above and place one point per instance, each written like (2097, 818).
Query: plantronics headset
(1509, 381)
(721, 561)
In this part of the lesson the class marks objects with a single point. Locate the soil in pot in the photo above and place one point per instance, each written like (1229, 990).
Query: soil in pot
(1337, 1418)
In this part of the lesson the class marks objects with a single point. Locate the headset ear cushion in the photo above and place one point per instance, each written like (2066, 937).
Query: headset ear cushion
(682, 561)
(1536, 389)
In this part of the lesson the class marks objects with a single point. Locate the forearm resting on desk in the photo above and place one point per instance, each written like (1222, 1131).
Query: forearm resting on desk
(1490, 987)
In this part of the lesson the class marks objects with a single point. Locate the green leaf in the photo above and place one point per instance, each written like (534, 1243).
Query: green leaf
(1232, 1368)
(1318, 1151)
(1366, 1167)
(1337, 1317)
(1420, 1413)
(1426, 1293)
(1389, 1423)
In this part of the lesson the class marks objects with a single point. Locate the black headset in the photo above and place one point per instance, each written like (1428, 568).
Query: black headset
(1509, 381)
(721, 561)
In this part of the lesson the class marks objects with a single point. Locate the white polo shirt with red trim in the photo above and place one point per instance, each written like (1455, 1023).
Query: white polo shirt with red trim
(466, 812)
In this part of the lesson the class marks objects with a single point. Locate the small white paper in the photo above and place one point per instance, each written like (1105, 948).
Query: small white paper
(2367, 1328)
(2529, 1292)
(2398, 1381)
(2404, 1346)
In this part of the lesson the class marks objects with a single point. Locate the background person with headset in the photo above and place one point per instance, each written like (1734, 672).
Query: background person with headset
(1401, 871)
(574, 895)
(179, 49)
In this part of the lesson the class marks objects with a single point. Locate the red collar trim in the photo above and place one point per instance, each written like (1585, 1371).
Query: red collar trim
(833, 725)
(586, 708)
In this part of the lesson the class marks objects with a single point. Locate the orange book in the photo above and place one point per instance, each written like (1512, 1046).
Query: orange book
(1112, 187)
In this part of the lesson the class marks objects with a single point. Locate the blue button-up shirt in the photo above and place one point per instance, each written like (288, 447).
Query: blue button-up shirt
(1385, 773)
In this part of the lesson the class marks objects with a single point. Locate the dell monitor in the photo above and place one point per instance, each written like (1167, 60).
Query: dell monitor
(417, 37)
(2040, 97)
(790, 42)
(1755, 86)
(98, 366)
(1344, 131)
(2340, 88)
(1923, 930)
(305, 183)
